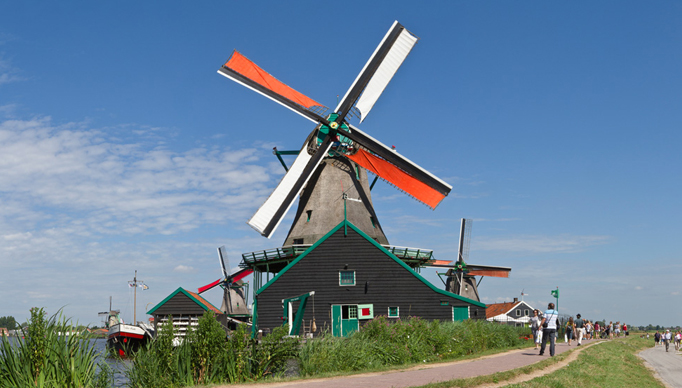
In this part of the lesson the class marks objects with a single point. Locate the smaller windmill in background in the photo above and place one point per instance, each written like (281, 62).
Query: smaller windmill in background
(234, 296)
(461, 278)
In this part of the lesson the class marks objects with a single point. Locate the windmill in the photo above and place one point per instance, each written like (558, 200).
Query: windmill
(234, 297)
(462, 277)
(338, 151)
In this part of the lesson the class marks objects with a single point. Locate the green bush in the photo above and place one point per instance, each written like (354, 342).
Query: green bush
(385, 342)
(47, 358)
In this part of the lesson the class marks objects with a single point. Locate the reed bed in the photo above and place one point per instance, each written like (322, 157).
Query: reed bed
(206, 357)
(46, 357)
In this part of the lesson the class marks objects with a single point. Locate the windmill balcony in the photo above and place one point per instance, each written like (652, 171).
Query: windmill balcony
(275, 259)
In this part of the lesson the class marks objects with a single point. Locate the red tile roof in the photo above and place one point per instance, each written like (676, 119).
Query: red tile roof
(496, 309)
(204, 302)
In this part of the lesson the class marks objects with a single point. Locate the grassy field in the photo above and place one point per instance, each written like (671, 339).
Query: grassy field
(610, 364)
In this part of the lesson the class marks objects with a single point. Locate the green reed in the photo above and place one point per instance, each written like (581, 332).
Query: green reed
(48, 357)
(205, 356)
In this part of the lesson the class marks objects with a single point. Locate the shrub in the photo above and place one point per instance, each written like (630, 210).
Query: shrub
(384, 342)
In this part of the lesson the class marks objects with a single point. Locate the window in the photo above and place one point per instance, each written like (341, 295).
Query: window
(373, 223)
(518, 313)
(394, 312)
(526, 312)
(352, 312)
(298, 241)
(346, 278)
(444, 303)
(309, 214)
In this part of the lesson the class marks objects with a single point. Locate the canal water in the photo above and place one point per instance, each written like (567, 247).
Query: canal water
(117, 365)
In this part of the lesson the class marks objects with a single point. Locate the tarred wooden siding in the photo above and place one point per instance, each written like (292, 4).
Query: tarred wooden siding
(379, 280)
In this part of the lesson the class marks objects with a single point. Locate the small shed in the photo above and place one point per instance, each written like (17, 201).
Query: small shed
(184, 308)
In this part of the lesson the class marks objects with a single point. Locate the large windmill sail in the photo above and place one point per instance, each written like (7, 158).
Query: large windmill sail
(334, 134)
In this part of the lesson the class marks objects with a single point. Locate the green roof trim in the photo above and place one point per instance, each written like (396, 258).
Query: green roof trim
(189, 295)
(376, 244)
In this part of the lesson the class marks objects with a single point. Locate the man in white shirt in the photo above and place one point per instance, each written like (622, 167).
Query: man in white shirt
(548, 325)
(666, 338)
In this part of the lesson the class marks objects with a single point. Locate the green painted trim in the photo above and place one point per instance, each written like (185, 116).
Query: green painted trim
(346, 223)
(407, 267)
(301, 256)
(180, 289)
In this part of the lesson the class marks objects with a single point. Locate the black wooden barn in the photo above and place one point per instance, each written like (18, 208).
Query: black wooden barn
(354, 279)
(183, 309)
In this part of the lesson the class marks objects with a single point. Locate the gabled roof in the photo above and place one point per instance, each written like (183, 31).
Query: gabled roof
(347, 224)
(203, 303)
(496, 309)
(499, 308)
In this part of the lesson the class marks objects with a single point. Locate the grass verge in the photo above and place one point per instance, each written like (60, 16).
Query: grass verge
(611, 364)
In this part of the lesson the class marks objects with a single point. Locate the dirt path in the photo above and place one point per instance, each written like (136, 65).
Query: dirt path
(431, 373)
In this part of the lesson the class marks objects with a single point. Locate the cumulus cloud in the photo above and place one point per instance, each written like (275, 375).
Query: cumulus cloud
(123, 188)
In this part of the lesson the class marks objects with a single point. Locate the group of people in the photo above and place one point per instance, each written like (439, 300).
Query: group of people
(666, 338)
(545, 326)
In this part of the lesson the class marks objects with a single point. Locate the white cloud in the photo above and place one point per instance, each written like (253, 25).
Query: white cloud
(539, 243)
(53, 172)
(183, 268)
(7, 72)
(638, 288)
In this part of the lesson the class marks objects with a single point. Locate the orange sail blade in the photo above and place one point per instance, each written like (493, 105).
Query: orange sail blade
(250, 70)
(490, 272)
(399, 178)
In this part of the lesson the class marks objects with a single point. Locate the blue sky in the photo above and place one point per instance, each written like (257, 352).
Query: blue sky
(558, 125)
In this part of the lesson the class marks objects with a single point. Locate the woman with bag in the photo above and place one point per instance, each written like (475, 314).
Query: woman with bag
(535, 327)
(570, 327)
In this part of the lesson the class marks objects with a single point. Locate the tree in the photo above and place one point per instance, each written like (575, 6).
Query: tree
(8, 322)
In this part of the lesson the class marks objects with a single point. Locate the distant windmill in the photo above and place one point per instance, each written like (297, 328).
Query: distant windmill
(234, 298)
(462, 278)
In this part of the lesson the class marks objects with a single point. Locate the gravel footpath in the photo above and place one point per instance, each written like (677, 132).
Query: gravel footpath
(428, 373)
(667, 365)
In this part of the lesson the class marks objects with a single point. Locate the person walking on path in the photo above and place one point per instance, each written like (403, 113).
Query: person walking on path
(657, 338)
(535, 327)
(580, 329)
(548, 325)
(569, 330)
(666, 338)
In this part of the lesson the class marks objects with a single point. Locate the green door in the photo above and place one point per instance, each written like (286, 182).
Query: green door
(344, 320)
(460, 313)
(336, 320)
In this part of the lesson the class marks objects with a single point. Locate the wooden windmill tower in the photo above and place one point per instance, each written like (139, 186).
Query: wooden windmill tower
(334, 157)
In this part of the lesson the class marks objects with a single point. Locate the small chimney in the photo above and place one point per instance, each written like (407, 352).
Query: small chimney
(516, 300)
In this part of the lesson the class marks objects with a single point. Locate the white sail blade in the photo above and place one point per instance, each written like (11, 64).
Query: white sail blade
(401, 48)
(268, 217)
